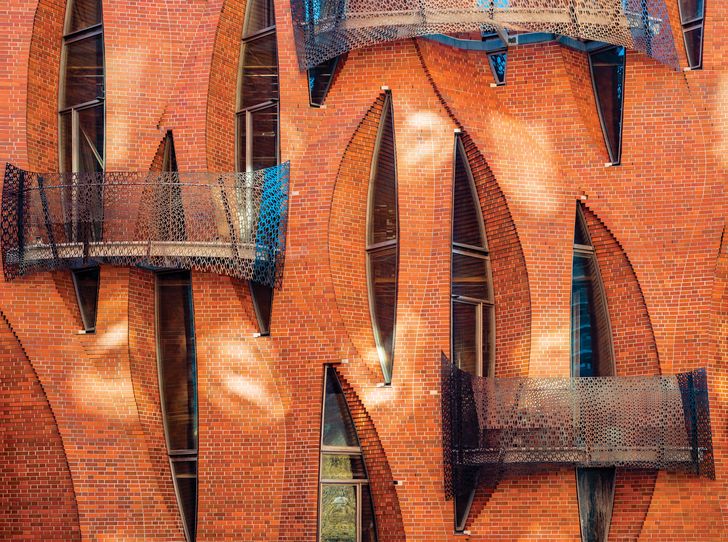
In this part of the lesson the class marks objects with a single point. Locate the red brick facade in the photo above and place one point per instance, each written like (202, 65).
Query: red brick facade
(84, 453)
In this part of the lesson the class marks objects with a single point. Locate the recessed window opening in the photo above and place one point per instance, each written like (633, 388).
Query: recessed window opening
(692, 19)
(382, 247)
(257, 123)
(171, 221)
(319, 81)
(86, 283)
(346, 510)
(472, 305)
(498, 61)
(591, 356)
(608, 70)
(177, 366)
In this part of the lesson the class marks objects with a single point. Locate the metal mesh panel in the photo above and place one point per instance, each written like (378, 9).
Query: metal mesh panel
(660, 422)
(228, 223)
(327, 28)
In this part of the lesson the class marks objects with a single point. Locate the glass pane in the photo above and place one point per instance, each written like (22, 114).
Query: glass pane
(338, 427)
(259, 75)
(694, 46)
(66, 137)
(259, 15)
(469, 277)
(383, 197)
(265, 137)
(608, 76)
(185, 477)
(467, 219)
(581, 237)
(342, 467)
(177, 362)
(91, 139)
(319, 79)
(87, 293)
(498, 66)
(383, 285)
(368, 529)
(84, 13)
(338, 513)
(486, 347)
(263, 304)
(596, 497)
(464, 336)
(84, 78)
(691, 9)
(242, 136)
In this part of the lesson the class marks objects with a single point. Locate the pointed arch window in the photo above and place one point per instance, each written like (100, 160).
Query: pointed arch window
(81, 105)
(177, 366)
(473, 312)
(319, 81)
(591, 356)
(86, 283)
(692, 18)
(172, 214)
(257, 126)
(382, 241)
(346, 510)
(607, 71)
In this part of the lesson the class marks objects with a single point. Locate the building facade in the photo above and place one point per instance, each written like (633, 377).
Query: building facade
(340, 271)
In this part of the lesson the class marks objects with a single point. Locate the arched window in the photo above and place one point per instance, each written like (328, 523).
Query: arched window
(346, 511)
(257, 141)
(382, 241)
(81, 107)
(473, 316)
(692, 18)
(177, 365)
(607, 70)
(86, 283)
(591, 356)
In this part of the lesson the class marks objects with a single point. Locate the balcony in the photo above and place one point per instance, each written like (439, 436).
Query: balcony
(228, 223)
(531, 424)
(328, 28)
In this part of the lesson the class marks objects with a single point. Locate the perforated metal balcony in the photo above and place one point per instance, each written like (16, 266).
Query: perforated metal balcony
(651, 422)
(228, 223)
(327, 28)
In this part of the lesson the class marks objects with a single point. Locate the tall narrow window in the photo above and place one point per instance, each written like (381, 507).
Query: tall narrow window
(607, 71)
(178, 387)
(591, 356)
(319, 81)
(692, 18)
(473, 317)
(81, 106)
(498, 63)
(171, 222)
(86, 283)
(257, 117)
(382, 241)
(346, 511)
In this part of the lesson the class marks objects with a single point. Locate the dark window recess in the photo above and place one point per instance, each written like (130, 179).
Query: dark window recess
(382, 241)
(472, 316)
(319, 81)
(346, 510)
(262, 297)
(498, 64)
(171, 221)
(591, 356)
(692, 18)
(81, 107)
(178, 387)
(86, 283)
(595, 489)
(607, 71)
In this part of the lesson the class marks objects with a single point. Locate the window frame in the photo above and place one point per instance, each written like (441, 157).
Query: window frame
(688, 26)
(354, 451)
(483, 306)
(373, 248)
(605, 135)
(175, 456)
(68, 38)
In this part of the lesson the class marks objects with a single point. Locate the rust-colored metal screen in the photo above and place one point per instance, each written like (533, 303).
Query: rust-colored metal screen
(660, 422)
(228, 223)
(327, 28)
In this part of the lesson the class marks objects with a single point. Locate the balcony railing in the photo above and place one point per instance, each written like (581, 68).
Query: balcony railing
(651, 422)
(228, 223)
(328, 28)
